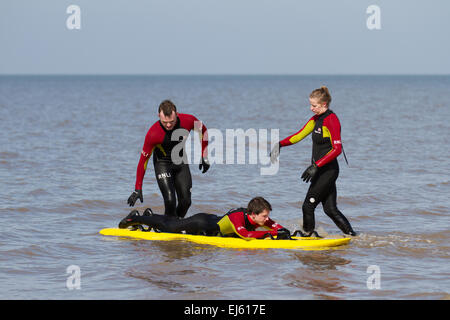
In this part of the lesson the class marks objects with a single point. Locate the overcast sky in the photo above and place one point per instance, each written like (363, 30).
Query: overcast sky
(225, 37)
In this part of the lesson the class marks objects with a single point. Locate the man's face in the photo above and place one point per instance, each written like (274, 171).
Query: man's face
(260, 219)
(168, 122)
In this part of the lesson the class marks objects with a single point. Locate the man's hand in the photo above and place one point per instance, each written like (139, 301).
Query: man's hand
(137, 194)
(204, 164)
(283, 234)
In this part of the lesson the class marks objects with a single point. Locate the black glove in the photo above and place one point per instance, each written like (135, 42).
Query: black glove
(275, 152)
(310, 172)
(204, 164)
(283, 234)
(137, 194)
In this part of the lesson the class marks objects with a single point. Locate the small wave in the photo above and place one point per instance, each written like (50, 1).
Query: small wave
(294, 204)
(63, 123)
(18, 209)
(391, 238)
(90, 204)
(86, 205)
(349, 201)
(438, 184)
(441, 236)
(436, 211)
(9, 155)
(429, 295)
(358, 200)
(27, 252)
(39, 192)
(418, 245)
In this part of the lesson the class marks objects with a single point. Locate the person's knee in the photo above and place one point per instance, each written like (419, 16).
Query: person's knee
(309, 204)
(185, 202)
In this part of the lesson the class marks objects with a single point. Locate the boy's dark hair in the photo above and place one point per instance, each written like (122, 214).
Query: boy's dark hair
(258, 205)
(167, 107)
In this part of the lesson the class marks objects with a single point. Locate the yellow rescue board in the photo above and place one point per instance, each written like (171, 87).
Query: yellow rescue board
(228, 242)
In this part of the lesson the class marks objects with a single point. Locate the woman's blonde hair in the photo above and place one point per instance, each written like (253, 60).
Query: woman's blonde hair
(322, 94)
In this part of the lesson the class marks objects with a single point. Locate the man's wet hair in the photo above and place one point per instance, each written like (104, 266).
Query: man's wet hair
(258, 205)
(167, 107)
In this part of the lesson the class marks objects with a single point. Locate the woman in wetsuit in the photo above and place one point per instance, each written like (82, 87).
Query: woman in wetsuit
(324, 169)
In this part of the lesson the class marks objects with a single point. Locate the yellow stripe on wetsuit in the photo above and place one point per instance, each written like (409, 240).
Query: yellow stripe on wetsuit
(304, 132)
(149, 155)
(327, 134)
(227, 228)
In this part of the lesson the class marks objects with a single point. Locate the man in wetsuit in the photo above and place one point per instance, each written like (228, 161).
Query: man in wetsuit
(241, 222)
(165, 140)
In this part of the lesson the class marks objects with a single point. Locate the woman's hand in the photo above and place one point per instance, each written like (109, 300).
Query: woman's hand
(310, 172)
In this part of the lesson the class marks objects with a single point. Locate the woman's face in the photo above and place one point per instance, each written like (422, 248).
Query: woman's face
(317, 106)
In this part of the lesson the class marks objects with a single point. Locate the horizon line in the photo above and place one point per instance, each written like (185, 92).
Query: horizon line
(223, 74)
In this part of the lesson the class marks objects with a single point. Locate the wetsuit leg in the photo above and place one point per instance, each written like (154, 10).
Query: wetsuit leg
(200, 223)
(331, 210)
(163, 223)
(183, 186)
(164, 176)
(319, 190)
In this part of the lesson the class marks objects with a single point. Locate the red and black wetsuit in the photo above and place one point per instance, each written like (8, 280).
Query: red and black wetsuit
(172, 173)
(327, 146)
(235, 223)
(238, 222)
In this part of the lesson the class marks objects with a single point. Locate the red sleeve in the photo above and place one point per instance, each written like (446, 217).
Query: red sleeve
(154, 136)
(334, 127)
(237, 219)
(190, 122)
(273, 225)
(244, 233)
